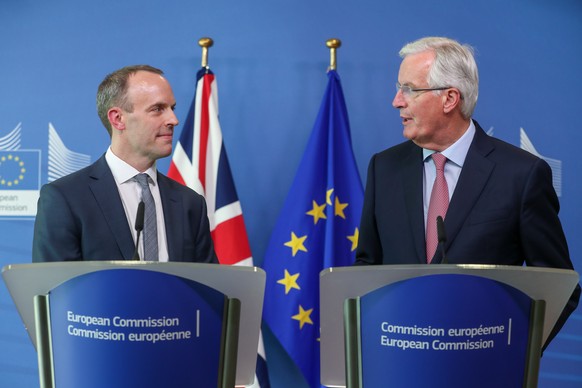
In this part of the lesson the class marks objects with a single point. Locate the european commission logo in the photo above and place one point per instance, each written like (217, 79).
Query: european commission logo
(555, 164)
(19, 177)
(20, 171)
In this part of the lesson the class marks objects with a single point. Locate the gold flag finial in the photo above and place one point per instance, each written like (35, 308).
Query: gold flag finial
(333, 44)
(205, 43)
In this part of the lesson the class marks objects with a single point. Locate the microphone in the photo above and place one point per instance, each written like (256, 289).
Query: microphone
(442, 238)
(138, 227)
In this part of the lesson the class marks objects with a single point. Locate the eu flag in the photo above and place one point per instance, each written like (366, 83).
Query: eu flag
(317, 228)
(19, 169)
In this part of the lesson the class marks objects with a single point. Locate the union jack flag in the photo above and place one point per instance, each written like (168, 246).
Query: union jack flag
(199, 161)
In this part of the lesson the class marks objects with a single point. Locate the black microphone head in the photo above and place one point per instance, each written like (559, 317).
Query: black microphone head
(139, 216)
(441, 234)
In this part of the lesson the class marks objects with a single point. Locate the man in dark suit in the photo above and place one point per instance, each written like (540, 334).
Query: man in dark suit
(90, 214)
(500, 205)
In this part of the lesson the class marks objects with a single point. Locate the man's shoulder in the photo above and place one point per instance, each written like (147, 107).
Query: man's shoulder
(96, 169)
(398, 151)
(167, 183)
(503, 151)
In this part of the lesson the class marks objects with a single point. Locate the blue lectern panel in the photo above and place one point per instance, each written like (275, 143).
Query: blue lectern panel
(135, 328)
(444, 331)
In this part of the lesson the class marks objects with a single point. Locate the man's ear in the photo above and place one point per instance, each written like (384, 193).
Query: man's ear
(116, 118)
(451, 99)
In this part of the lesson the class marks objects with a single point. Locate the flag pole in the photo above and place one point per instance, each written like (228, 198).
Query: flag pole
(205, 43)
(333, 44)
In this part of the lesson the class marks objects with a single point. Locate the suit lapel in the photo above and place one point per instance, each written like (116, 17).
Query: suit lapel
(107, 196)
(412, 176)
(173, 216)
(474, 176)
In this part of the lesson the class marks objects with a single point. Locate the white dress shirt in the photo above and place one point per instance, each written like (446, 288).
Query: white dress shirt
(130, 193)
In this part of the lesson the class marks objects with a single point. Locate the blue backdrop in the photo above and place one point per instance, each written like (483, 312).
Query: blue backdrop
(270, 60)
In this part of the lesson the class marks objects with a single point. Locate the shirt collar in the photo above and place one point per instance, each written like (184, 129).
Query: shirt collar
(123, 172)
(457, 152)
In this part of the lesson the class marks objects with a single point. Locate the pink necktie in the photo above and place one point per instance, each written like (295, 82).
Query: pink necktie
(438, 205)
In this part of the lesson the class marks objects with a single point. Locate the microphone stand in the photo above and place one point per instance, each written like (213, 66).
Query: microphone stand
(138, 227)
(442, 238)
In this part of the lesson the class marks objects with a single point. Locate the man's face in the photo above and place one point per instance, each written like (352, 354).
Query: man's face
(150, 126)
(421, 112)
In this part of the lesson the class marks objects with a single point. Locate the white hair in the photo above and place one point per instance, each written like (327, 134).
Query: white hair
(454, 65)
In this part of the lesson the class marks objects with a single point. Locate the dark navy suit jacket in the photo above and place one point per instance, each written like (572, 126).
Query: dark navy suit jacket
(504, 210)
(81, 217)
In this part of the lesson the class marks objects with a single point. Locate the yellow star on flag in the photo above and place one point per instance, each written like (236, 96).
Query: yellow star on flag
(354, 239)
(328, 198)
(296, 244)
(289, 281)
(303, 317)
(339, 208)
(317, 212)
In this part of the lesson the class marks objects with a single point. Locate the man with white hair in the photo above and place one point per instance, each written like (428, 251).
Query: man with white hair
(497, 201)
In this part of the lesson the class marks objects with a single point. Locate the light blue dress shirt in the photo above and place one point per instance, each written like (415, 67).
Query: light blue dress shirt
(455, 155)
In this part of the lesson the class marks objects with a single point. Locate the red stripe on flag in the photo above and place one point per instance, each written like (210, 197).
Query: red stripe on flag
(174, 173)
(204, 127)
(230, 241)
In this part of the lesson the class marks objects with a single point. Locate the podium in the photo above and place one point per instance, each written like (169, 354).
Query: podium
(474, 319)
(118, 323)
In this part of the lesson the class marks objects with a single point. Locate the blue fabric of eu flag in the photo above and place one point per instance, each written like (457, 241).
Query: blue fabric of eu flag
(317, 229)
(19, 170)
